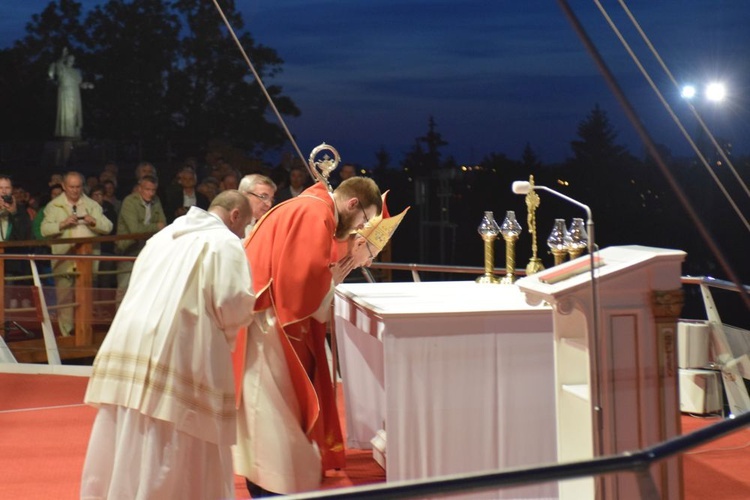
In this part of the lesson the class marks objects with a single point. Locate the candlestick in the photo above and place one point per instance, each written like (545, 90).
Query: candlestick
(488, 230)
(510, 229)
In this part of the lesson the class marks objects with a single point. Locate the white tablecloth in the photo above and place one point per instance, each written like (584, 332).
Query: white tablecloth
(460, 375)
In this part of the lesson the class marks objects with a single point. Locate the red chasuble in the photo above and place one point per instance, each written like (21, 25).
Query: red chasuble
(289, 253)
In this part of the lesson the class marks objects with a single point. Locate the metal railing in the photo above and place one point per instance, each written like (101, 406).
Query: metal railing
(84, 340)
(637, 462)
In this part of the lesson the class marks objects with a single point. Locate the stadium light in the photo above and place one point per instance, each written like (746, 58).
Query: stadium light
(716, 92)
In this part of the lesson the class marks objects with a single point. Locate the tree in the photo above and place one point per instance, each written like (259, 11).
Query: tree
(422, 161)
(163, 71)
(26, 93)
(529, 159)
(212, 90)
(606, 176)
(597, 146)
(383, 158)
(133, 51)
(434, 141)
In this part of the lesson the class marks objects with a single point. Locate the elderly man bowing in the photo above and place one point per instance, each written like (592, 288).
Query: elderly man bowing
(162, 379)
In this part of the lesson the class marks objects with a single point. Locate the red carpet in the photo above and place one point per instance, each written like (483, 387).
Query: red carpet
(720, 469)
(44, 430)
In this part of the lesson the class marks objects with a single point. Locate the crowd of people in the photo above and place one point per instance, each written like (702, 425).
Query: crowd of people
(73, 204)
(215, 362)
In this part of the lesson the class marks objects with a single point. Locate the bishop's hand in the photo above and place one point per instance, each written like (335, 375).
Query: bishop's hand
(342, 268)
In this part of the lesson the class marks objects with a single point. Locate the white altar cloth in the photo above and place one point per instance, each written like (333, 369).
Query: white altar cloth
(459, 374)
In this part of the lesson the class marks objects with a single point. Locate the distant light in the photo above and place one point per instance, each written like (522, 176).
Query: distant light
(688, 91)
(716, 92)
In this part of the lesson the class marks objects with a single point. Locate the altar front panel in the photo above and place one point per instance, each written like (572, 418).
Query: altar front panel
(460, 375)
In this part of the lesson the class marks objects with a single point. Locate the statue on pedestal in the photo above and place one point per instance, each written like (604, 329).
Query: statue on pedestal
(69, 84)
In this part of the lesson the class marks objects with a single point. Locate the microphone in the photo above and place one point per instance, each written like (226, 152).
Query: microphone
(524, 187)
(521, 187)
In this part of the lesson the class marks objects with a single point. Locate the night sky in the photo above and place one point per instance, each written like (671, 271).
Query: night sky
(494, 75)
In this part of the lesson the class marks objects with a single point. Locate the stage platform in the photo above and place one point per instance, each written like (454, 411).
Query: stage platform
(44, 431)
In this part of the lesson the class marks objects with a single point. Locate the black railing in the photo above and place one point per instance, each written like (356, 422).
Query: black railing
(637, 462)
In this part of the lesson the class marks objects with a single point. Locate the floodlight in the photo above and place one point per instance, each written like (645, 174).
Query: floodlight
(716, 92)
(688, 91)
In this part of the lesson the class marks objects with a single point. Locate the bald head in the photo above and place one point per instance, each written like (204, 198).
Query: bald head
(233, 209)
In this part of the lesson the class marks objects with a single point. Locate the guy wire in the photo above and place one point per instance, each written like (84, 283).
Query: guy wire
(666, 105)
(677, 86)
(653, 150)
(263, 87)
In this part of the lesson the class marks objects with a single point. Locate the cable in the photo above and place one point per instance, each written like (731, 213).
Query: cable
(653, 150)
(677, 86)
(263, 87)
(666, 105)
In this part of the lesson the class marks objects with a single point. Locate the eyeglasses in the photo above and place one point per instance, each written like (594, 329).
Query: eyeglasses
(262, 197)
(372, 257)
(367, 219)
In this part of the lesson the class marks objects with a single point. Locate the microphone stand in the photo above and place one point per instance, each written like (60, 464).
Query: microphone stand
(594, 294)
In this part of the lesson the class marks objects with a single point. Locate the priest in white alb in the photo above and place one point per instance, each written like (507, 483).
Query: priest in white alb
(162, 379)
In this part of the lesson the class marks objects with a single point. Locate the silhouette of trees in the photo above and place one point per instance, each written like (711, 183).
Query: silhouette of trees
(529, 159)
(131, 54)
(163, 71)
(596, 147)
(424, 158)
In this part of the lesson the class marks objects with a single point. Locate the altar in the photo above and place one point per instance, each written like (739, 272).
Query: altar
(447, 378)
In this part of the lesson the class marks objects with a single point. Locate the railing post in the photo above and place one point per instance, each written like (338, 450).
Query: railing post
(2, 288)
(84, 296)
(646, 485)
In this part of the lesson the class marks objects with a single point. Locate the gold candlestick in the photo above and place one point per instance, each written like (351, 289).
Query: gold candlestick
(510, 229)
(532, 203)
(576, 239)
(488, 230)
(556, 241)
(559, 255)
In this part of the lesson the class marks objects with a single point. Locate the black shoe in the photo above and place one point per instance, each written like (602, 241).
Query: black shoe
(258, 492)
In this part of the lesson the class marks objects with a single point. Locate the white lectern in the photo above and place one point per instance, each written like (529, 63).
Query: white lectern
(616, 381)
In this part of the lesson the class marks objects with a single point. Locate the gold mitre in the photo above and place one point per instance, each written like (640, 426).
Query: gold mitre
(380, 229)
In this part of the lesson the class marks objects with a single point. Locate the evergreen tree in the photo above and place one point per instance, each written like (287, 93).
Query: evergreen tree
(607, 177)
(529, 159)
(213, 92)
(383, 158)
(433, 142)
(415, 161)
(597, 147)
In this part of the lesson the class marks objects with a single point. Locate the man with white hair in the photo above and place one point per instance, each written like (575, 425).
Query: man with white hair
(71, 215)
(260, 191)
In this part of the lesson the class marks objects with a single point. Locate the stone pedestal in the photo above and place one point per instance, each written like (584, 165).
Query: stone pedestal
(60, 154)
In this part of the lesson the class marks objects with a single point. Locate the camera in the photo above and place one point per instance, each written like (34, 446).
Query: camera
(8, 198)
